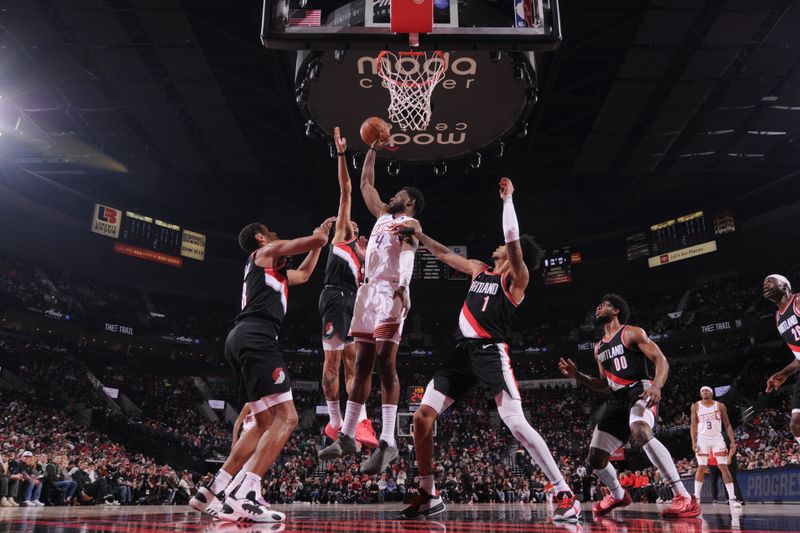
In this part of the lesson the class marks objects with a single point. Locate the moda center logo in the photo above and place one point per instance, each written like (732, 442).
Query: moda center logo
(106, 220)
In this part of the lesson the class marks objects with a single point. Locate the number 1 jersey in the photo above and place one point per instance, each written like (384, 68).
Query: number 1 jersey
(488, 308)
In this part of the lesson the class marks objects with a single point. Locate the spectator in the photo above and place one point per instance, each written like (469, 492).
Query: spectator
(10, 478)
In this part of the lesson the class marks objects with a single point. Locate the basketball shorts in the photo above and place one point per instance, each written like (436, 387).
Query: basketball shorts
(336, 309)
(796, 397)
(377, 314)
(262, 375)
(709, 445)
(621, 409)
(484, 363)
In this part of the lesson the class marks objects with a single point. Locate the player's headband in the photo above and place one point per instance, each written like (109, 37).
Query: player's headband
(782, 279)
(706, 388)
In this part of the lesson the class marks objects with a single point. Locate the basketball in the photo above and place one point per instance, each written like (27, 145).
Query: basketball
(374, 128)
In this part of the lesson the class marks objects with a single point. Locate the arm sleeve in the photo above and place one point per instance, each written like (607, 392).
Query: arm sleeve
(406, 267)
(510, 224)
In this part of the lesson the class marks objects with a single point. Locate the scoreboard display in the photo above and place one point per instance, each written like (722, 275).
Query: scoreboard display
(679, 238)
(148, 238)
(557, 266)
(151, 234)
(426, 266)
(415, 394)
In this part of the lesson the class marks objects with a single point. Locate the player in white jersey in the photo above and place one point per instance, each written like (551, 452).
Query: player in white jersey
(381, 306)
(708, 417)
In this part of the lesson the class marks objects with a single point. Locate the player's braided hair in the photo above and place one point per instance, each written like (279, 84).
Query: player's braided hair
(619, 303)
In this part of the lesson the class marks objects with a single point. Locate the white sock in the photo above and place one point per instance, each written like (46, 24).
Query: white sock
(351, 418)
(537, 448)
(388, 422)
(335, 413)
(363, 414)
(251, 483)
(608, 476)
(731, 491)
(426, 483)
(236, 481)
(221, 480)
(661, 459)
(698, 486)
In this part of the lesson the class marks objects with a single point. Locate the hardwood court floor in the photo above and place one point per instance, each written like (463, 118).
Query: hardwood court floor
(502, 518)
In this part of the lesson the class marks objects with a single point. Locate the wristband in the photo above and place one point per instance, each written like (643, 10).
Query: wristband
(371, 148)
(341, 154)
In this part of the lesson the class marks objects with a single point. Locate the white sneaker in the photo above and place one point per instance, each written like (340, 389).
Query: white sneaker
(206, 502)
(27, 503)
(248, 510)
(37, 503)
(4, 502)
(736, 504)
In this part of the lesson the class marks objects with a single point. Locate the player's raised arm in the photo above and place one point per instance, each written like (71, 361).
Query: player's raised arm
(516, 263)
(303, 273)
(300, 245)
(343, 231)
(443, 253)
(373, 200)
(637, 337)
(569, 369)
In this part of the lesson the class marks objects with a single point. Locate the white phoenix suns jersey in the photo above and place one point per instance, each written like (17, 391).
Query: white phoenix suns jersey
(709, 420)
(383, 250)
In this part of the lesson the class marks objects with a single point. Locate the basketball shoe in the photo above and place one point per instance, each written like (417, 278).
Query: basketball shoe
(248, 509)
(331, 431)
(380, 459)
(568, 508)
(206, 502)
(609, 503)
(423, 504)
(365, 434)
(343, 445)
(682, 507)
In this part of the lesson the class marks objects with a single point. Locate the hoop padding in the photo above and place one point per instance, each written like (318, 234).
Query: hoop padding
(411, 78)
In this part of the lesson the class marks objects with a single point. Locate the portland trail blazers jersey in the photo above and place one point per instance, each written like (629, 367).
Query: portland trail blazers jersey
(623, 365)
(344, 266)
(265, 293)
(788, 320)
(488, 308)
(383, 249)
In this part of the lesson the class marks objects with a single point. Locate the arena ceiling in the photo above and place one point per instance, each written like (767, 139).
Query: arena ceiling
(648, 109)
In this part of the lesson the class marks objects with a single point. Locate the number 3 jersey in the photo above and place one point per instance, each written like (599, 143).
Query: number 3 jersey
(488, 308)
(623, 365)
(788, 320)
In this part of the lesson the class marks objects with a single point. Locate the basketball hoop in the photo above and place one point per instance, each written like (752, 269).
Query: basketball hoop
(411, 78)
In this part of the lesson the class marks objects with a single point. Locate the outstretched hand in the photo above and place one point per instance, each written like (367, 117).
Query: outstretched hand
(325, 227)
(341, 142)
(379, 143)
(506, 188)
(403, 229)
(775, 381)
(568, 368)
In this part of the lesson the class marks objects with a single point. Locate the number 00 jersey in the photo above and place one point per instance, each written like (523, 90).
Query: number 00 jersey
(623, 365)
(488, 308)
(265, 293)
(788, 320)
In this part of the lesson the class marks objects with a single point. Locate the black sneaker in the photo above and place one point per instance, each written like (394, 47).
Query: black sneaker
(423, 504)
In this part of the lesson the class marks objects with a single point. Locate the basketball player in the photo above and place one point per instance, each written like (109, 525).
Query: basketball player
(381, 306)
(630, 409)
(342, 278)
(778, 290)
(708, 417)
(252, 350)
(481, 357)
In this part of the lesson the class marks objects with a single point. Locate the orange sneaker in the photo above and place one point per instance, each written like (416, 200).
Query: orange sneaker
(683, 507)
(609, 503)
(365, 434)
(331, 431)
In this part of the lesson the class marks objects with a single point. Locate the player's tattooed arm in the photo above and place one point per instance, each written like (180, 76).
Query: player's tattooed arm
(569, 369)
(634, 336)
(370, 194)
(343, 231)
(443, 253)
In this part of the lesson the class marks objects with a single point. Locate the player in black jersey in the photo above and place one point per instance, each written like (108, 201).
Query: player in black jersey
(778, 290)
(263, 377)
(630, 409)
(343, 276)
(481, 357)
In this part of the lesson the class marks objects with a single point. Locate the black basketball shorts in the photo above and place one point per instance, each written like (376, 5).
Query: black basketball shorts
(251, 349)
(336, 309)
(614, 418)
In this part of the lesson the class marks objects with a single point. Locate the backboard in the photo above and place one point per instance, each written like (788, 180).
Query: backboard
(365, 25)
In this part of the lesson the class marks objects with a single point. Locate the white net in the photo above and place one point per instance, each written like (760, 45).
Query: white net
(411, 78)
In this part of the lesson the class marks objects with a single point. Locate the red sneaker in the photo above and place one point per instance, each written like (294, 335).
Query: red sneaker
(365, 434)
(609, 503)
(331, 431)
(683, 507)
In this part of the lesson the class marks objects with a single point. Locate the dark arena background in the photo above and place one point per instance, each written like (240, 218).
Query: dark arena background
(654, 151)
